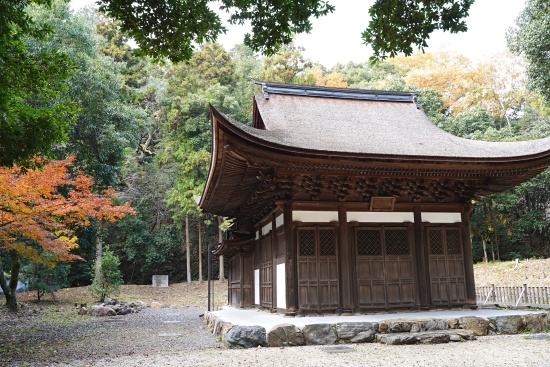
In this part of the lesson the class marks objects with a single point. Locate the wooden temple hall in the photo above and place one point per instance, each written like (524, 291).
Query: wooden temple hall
(352, 201)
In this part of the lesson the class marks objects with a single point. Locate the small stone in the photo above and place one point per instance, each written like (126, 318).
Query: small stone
(453, 323)
(82, 311)
(455, 338)
(156, 305)
(382, 326)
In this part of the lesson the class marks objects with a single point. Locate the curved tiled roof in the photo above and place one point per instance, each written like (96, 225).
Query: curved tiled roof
(370, 127)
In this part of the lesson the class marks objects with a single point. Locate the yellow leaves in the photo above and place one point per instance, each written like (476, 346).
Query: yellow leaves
(496, 84)
(35, 216)
(333, 80)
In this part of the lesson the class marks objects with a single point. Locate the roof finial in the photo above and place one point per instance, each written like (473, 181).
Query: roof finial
(264, 90)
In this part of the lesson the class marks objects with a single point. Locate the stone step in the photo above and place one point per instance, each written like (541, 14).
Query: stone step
(426, 337)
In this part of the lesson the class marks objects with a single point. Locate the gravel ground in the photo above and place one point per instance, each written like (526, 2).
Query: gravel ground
(89, 339)
(134, 340)
(515, 350)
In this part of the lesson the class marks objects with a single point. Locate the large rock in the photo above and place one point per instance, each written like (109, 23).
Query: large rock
(400, 325)
(100, 310)
(535, 322)
(510, 324)
(433, 337)
(464, 334)
(319, 334)
(284, 335)
(156, 305)
(245, 337)
(121, 310)
(477, 324)
(110, 301)
(433, 324)
(397, 338)
(356, 332)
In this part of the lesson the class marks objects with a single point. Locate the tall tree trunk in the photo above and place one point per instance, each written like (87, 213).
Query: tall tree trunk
(98, 256)
(222, 275)
(10, 289)
(496, 243)
(200, 251)
(187, 248)
(486, 259)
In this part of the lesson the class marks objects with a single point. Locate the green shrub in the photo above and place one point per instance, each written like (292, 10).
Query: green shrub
(110, 278)
(44, 279)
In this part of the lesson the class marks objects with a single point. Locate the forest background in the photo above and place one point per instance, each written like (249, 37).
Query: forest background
(144, 129)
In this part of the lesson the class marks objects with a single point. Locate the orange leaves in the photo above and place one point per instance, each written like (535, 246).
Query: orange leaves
(39, 208)
(333, 80)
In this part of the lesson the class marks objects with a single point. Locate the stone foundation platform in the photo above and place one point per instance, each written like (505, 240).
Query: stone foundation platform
(250, 328)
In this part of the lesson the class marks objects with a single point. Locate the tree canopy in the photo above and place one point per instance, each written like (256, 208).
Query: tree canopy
(168, 28)
(531, 38)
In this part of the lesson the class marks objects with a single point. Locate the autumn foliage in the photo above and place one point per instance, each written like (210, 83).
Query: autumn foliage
(39, 208)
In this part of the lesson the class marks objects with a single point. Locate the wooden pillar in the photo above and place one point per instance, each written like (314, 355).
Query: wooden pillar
(241, 266)
(200, 250)
(422, 261)
(468, 258)
(291, 287)
(187, 248)
(345, 264)
(273, 264)
(220, 236)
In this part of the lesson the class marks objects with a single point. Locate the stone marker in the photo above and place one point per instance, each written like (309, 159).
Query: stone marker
(160, 280)
(338, 349)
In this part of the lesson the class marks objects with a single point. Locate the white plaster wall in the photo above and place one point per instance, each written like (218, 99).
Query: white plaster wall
(279, 221)
(257, 235)
(281, 284)
(257, 287)
(267, 228)
(314, 216)
(441, 217)
(383, 217)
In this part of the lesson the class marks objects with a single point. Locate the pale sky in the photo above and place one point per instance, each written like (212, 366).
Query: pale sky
(337, 36)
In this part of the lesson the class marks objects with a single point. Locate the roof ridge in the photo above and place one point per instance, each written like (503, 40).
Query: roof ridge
(344, 93)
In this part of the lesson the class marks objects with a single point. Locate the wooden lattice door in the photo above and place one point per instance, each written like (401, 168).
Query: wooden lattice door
(384, 267)
(447, 274)
(317, 269)
(266, 273)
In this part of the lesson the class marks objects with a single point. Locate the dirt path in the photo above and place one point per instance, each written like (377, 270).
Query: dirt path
(31, 341)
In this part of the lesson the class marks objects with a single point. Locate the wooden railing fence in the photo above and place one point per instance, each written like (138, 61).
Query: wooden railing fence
(522, 295)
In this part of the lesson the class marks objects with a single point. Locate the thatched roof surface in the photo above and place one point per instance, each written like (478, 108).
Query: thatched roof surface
(370, 127)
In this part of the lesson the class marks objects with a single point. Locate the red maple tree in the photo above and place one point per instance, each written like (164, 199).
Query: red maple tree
(39, 208)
